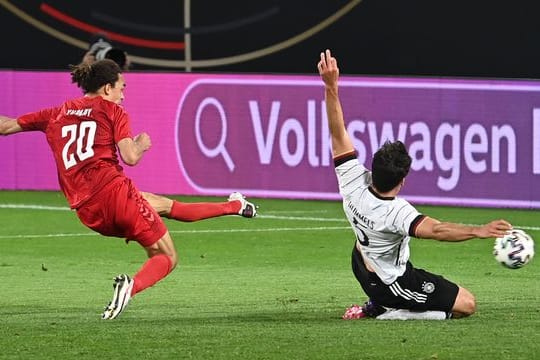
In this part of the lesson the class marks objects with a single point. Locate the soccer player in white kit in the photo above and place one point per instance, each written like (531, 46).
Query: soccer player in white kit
(384, 224)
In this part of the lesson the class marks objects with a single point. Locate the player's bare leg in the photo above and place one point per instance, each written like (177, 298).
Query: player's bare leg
(465, 304)
(162, 260)
(164, 246)
(188, 212)
(161, 204)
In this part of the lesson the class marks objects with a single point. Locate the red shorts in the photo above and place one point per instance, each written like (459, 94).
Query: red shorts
(120, 210)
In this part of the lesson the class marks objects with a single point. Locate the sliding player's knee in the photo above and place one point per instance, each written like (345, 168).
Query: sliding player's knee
(170, 253)
(470, 305)
(161, 204)
(466, 303)
(164, 246)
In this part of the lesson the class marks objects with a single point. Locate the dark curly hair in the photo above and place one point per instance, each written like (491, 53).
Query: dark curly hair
(390, 164)
(91, 77)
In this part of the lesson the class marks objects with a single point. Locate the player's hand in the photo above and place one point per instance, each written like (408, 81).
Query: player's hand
(496, 228)
(328, 68)
(88, 58)
(143, 141)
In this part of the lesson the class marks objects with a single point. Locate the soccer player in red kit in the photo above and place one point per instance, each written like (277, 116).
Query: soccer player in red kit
(83, 135)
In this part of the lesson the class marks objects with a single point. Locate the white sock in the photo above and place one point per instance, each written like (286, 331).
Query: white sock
(402, 314)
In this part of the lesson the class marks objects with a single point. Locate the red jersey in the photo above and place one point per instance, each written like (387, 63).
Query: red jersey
(82, 134)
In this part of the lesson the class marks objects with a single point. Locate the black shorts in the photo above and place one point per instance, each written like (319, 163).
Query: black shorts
(416, 289)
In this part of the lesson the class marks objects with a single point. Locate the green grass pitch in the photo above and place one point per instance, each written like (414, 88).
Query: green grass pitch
(273, 287)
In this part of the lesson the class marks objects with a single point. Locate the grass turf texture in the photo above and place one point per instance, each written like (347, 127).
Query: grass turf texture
(273, 287)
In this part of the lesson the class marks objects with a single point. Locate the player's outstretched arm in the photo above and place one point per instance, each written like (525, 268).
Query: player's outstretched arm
(431, 228)
(9, 126)
(329, 71)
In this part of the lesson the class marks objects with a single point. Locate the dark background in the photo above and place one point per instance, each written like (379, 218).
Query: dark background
(492, 39)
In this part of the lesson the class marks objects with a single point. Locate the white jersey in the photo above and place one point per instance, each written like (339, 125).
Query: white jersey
(382, 225)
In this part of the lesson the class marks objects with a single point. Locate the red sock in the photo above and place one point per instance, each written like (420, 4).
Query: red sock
(198, 211)
(153, 270)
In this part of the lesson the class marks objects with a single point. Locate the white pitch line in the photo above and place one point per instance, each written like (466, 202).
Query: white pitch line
(34, 207)
(322, 228)
(298, 212)
(302, 218)
(35, 236)
(265, 216)
(209, 231)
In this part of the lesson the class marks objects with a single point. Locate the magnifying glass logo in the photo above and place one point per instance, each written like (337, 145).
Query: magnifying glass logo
(219, 149)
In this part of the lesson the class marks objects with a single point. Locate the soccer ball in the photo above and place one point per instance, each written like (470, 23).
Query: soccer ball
(514, 250)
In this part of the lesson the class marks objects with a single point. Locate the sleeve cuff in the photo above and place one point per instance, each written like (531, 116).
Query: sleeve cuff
(343, 158)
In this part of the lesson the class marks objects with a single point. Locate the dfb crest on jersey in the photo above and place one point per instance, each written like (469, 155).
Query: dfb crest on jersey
(428, 287)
